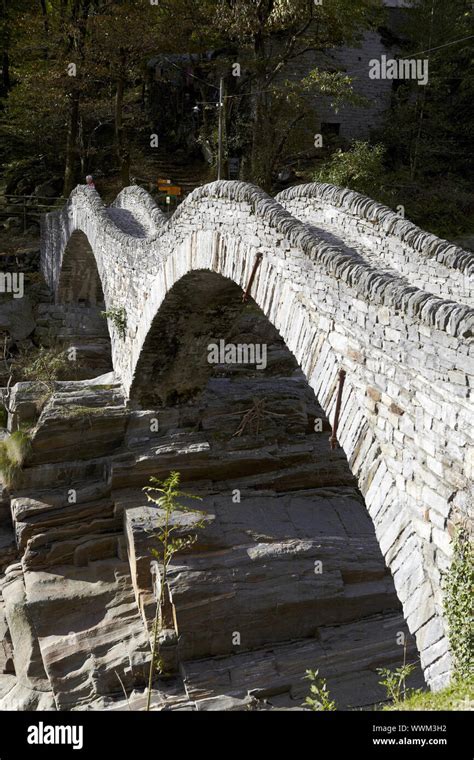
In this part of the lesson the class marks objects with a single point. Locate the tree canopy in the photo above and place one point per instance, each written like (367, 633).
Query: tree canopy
(80, 92)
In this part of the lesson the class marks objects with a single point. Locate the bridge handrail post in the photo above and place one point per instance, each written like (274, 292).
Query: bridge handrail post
(246, 294)
(333, 437)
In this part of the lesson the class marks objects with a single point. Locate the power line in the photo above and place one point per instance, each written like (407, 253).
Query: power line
(420, 52)
(447, 44)
(345, 72)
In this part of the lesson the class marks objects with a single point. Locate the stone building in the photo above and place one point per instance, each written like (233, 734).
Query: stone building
(356, 121)
(174, 88)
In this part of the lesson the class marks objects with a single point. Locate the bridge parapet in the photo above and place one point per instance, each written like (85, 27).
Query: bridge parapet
(423, 259)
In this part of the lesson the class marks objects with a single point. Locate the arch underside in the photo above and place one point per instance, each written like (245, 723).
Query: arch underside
(291, 550)
(79, 281)
(320, 353)
(80, 303)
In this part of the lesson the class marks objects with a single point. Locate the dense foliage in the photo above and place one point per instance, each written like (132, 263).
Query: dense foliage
(458, 603)
(81, 91)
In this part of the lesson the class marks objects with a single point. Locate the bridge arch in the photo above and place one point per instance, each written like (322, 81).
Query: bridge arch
(320, 351)
(405, 352)
(79, 280)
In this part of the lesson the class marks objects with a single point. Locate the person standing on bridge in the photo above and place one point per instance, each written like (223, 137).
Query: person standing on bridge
(90, 181)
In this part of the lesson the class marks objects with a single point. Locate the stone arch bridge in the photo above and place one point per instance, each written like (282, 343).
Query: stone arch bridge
(348, 284)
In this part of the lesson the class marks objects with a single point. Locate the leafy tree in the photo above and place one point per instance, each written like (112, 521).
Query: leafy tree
(269, 113)
(270, 35)
(427, 133)
(56, 114)
(122, 36)
(73, 62)
(10, 12)
(43, 106)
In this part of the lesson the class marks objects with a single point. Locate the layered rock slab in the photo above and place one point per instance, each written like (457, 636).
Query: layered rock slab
(253, 568)
(90, 634)
(347, 655)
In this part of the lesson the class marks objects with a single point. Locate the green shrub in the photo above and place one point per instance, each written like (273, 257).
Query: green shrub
(394, 681)
(43, 364)
(118, 317)
(444, 208)
(458, 608)
(13, 452)
(361, 168)
(3, 417)
(459, 695)
(319, 701)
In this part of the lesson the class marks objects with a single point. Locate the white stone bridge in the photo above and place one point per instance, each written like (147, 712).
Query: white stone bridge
(348, 284)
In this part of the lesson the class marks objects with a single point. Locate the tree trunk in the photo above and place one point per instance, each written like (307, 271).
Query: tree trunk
(262, 141)
(261, 138)
(125, 168)
(82, 149)
(6, 82)
(122, 153)
(44, 12)
(6, 34)
(70, 171)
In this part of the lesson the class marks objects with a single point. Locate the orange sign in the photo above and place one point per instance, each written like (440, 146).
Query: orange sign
(170, 189)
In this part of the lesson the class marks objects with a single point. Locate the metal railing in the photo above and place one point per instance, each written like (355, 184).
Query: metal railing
(27, 208)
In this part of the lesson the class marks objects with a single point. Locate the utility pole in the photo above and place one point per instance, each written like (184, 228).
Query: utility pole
(220, 149)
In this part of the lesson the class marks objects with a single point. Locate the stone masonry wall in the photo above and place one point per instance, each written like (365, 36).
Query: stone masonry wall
(406, 418)
(423, 259)
(355, 120)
